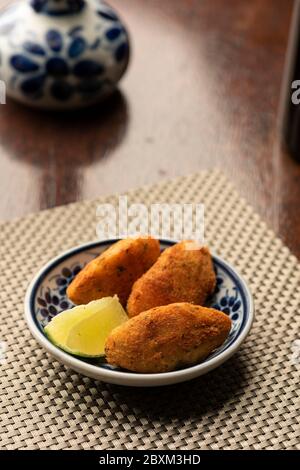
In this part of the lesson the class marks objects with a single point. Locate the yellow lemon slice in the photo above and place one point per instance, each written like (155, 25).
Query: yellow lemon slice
(83, 330)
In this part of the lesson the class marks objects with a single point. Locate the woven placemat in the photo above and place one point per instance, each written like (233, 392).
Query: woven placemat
(252, 401)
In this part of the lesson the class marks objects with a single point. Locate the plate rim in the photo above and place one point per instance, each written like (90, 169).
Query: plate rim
(121, 377)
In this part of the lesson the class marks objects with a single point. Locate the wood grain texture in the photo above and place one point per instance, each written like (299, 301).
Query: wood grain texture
(202, 91)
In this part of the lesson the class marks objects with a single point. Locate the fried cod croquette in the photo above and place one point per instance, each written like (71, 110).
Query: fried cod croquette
(114, 271)
(183, 273)
(165, 338)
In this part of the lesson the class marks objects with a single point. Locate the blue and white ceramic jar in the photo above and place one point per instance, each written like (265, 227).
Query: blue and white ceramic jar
(62, 54)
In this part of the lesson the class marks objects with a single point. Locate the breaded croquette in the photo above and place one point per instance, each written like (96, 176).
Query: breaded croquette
(114, 271)
(165, 338)
(183, 273)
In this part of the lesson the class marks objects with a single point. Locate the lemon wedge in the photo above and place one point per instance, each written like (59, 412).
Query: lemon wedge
(83, 330)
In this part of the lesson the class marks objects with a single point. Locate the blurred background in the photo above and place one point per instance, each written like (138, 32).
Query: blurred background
(201, 92)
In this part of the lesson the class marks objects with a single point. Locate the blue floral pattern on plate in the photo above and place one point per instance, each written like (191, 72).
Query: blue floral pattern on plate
(49, 297)
(52, 295)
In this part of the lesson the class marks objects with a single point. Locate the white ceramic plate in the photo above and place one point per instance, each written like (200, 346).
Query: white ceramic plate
(46, 296)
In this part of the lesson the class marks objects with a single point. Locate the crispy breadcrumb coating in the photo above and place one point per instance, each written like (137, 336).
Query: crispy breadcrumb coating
(183, 273)
(114, 271)
(165, 338)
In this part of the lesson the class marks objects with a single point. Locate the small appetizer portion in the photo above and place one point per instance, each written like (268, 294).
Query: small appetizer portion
(114, 271)
(83, 330)
(165, 338)
(183, 273)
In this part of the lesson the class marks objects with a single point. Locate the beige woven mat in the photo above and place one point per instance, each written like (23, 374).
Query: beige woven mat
(252, 401)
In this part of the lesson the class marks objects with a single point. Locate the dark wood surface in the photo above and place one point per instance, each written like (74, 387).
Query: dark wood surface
(202, 92)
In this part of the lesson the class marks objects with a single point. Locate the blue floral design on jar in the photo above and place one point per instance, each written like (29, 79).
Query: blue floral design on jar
(67, 63)
(86, 73)
(57, 7)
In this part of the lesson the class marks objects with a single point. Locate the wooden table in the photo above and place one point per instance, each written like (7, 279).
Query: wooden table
(201, 92)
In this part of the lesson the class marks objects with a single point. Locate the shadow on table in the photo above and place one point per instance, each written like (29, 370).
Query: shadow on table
(207, 393)
(61, 145)
(70, 137)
